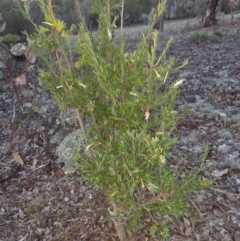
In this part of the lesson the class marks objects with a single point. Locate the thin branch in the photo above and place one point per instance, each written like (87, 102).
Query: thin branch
(83, 131)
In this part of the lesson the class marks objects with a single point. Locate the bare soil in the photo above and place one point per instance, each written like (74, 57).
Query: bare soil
(38, 201)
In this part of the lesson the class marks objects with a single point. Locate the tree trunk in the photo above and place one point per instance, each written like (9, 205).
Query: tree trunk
(159, 25)
(210, 18)
(123, 234)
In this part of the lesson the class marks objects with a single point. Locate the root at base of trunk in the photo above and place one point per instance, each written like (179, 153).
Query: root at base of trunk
(123, 233)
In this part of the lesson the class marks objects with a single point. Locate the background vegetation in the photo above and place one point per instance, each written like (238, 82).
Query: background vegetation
(134, 12)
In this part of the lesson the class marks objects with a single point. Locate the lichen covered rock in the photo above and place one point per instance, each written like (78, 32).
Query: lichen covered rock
(19, 49)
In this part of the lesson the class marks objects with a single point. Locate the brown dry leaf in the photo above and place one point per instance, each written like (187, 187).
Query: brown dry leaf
(31, 57)
(9, 146)
(233, 197)
(18, 158)
(186, 222)
(21, 80)
(188, 231)
(148, 220)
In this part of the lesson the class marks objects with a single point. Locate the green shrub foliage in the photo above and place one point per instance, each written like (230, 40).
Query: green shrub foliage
(204, 37)
(10, 38)
(130, 104)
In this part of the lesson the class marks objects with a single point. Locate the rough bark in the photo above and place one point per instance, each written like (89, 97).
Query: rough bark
(210, 18)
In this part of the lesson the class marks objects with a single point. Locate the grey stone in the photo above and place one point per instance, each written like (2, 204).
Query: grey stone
(68, 148)
(19, 49)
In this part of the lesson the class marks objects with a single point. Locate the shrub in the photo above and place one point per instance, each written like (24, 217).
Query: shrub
(204, 37)
(130, 105)
(64, 10)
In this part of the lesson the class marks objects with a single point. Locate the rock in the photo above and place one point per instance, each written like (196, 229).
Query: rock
(19, 49)
(68, 148)
(69, 118)
(23, 50)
